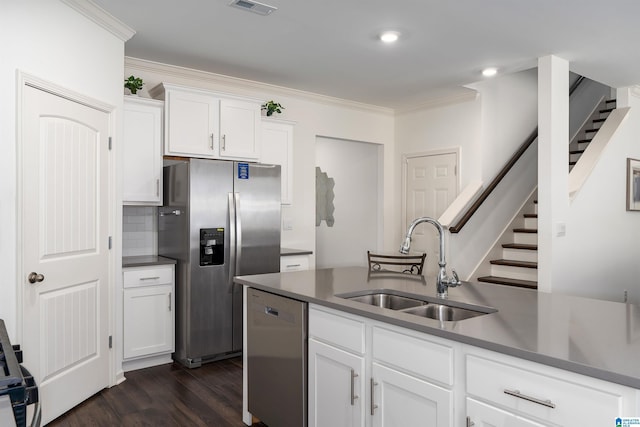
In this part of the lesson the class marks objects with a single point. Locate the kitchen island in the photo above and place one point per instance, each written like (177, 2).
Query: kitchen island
(539, 338)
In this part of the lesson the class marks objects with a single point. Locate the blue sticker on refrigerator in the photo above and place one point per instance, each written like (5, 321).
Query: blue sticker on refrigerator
(243, 170)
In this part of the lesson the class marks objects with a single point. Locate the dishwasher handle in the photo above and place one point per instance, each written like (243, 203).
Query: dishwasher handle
(270, 311)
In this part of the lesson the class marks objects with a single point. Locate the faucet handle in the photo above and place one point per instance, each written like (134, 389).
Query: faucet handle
(455, 280)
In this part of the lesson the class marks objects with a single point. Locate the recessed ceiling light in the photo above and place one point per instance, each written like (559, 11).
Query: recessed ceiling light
(389, 36)
(489, 72)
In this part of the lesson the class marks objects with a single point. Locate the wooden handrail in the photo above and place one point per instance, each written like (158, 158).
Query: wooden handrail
(507, 167)
(485, 194)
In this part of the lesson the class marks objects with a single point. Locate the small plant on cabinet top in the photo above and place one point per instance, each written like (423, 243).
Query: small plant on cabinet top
(272, 107)
(134, 84)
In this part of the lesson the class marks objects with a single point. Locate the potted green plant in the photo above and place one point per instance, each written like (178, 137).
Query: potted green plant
(272, 107)
(134, 84)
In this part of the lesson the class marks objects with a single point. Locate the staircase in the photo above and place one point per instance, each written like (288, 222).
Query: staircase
(518, 265)
(589, 130)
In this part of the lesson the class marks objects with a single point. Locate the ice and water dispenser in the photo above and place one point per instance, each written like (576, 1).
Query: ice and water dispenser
(211, 246)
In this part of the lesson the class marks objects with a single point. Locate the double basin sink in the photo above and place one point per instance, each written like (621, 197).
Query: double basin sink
(432, 308)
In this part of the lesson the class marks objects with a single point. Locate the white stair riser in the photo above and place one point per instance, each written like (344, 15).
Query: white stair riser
(520, 255)
(526, 238)
(519, 273)
(535, 208)
(531, 223)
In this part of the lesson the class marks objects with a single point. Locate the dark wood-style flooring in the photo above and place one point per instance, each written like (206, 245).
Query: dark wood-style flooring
(167, 395)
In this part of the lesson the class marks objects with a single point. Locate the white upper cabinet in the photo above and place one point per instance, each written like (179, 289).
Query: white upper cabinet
(142, 151)
(277, 149)
(200, 123)
(240, 131)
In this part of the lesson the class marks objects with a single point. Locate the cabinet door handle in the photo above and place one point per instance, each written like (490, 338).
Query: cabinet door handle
(469, 422)
(373, 405)
(150, 278)
(158, 187)
(169, 301)
(224, 142)
(211, 143)
(353, 387)
(516, 393)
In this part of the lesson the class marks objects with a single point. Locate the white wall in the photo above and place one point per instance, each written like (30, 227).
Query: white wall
(51, 41)
(599, 256)
(354, 168)
(314, 116)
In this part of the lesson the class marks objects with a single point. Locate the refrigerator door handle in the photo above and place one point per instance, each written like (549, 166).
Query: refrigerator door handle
(232, 239)
(238, 233)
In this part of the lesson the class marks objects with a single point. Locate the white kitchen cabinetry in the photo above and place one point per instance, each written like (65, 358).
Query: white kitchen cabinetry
(402, 387)
(532, 393)
(149, 321)
(294, 263)
(482, 415)
(200, 123)
(277, 148)
(336, 386)
(240, 129)
(192, 123)
(142, 151)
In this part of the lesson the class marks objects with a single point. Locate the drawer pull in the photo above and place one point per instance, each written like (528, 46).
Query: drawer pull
(150, 278)
(354, 396)
(293, 265)
(516, 393)
(373, 404)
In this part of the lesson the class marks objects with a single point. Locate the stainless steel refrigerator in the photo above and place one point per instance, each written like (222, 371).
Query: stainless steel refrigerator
(220, 219)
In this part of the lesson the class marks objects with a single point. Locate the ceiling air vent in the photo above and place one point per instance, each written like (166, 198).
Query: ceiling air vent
(253, 6)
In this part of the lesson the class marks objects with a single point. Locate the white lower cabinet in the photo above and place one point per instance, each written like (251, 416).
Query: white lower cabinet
(364, 372)
(399, 399)
(294, 263)
(352, 384)
(149, 321)
(533, 394)
(336, 386)
(482, 415)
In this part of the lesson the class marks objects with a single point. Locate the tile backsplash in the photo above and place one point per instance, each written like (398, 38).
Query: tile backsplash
(139, 230)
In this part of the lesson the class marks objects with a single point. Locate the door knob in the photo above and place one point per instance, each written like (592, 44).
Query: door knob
(35, 277)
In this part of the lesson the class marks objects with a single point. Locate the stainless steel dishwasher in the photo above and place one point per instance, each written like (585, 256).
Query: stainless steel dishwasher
(277, 359)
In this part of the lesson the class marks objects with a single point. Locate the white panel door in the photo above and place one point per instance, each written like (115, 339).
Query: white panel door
(431, 186)
(399, 399)
(65, 186)
(336, 387)
(483, 415)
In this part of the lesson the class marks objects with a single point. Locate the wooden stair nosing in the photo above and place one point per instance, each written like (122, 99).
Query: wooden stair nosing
(598, 120)
(606, 110)
(512, 263)
(591, 130)
(529, 284)
(523, 246)
(530, 215)
(525, 230)
(585, 141)
(576, 151)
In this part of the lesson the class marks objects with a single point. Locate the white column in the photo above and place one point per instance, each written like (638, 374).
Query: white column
(553, 164)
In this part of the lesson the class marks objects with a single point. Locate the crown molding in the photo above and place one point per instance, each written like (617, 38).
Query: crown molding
(101, 17)
(208, 78)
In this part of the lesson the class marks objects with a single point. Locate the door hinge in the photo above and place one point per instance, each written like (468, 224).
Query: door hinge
(110, 242)
(110, 143)
(110, 341)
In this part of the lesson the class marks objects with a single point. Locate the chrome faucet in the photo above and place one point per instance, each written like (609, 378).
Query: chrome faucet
(443, 281)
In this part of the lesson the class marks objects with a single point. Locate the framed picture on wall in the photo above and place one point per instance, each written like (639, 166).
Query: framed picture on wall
(633, 185)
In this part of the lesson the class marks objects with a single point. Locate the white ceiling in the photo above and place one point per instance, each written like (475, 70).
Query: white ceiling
(329, 47)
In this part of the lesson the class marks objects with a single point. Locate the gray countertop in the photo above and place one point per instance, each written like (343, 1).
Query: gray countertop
(145, 261)
(290, 252)
(597, 338)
